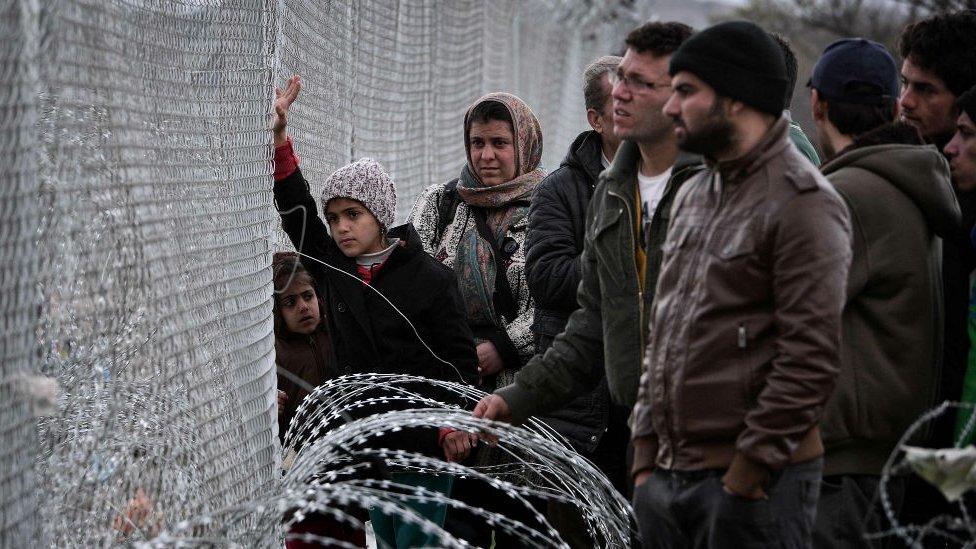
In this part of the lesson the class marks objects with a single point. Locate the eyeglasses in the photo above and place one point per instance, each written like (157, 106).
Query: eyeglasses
(635, 84)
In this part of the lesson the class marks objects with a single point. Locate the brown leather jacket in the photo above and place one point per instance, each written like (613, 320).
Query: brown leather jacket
(744, 343)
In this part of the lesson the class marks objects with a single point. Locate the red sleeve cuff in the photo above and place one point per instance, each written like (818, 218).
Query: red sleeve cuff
(285, 160)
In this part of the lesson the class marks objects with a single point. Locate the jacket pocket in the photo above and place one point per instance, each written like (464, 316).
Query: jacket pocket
(608, 219)
(737, 243)
(678, 237)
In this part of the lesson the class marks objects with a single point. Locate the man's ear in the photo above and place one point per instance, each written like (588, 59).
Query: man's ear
(731, 107)
(595, 120)
(818, 106)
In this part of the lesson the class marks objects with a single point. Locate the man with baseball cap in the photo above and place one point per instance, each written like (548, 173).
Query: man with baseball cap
(901, 201)
(744, 342)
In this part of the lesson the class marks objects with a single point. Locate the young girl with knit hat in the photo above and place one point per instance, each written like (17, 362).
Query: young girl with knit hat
(369, 334)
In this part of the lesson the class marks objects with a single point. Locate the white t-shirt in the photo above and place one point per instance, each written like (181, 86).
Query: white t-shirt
(651, 191)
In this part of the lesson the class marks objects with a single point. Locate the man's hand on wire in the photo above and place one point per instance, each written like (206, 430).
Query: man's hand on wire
(283, 100)
(492, 407)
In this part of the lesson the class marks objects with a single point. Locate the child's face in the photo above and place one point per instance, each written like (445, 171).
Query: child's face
(300, 307)
(354, 228)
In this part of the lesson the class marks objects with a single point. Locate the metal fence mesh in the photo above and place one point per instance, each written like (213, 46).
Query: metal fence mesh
(137, 223)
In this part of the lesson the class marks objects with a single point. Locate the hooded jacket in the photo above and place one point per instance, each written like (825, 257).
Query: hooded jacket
(613, 310)
(557, 227)
(901, 202)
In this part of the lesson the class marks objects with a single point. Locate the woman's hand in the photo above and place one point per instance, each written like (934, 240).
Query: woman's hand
(489, 361)
(283, 101)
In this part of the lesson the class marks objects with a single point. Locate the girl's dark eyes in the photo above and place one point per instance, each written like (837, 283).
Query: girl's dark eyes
(289, 302)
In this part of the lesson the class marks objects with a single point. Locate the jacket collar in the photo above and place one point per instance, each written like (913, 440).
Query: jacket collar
(585, 154)
(350, 288)
(408, 247)
(773, 143)
(889, 134)
(622, 172)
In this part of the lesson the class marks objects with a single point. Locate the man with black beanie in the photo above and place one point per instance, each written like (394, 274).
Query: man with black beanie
(744, 342)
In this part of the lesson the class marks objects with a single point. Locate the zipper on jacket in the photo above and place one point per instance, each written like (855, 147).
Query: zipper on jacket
(685, 294)
(742, 336)
(640, 291)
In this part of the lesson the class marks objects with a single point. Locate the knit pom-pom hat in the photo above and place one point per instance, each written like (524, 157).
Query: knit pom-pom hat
(366, 181)
(740, 61)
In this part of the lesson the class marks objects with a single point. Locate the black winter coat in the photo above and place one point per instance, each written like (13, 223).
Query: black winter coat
(557, 226)
(368, 335)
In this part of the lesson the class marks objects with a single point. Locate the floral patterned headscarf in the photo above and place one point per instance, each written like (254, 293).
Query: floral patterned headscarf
(528, 155)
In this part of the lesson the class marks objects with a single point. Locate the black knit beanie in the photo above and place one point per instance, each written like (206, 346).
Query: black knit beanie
(740, 61)
(967, 103)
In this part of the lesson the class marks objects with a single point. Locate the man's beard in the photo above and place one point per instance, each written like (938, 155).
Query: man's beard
(713, 138)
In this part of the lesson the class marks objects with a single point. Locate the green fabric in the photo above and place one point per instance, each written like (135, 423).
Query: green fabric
(612, 310)
(393, 531)
(803, 143)
(969, 383)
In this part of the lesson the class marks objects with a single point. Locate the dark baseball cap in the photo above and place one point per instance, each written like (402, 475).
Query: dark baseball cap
(856, 70)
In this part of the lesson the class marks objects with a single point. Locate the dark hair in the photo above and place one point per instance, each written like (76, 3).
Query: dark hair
(791, 65)
(485, 112)
(659, 38)
(854, 119)
(945, 45)
(286, 268)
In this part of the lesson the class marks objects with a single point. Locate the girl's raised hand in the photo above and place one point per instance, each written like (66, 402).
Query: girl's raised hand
(283, 100)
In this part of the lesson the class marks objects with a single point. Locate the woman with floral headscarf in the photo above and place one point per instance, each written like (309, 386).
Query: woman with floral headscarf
(476, 225)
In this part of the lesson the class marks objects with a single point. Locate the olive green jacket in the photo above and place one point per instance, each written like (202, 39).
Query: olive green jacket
(613, 311)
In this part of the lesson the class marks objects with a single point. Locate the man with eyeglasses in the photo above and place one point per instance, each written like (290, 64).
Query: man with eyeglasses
(626, 222)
